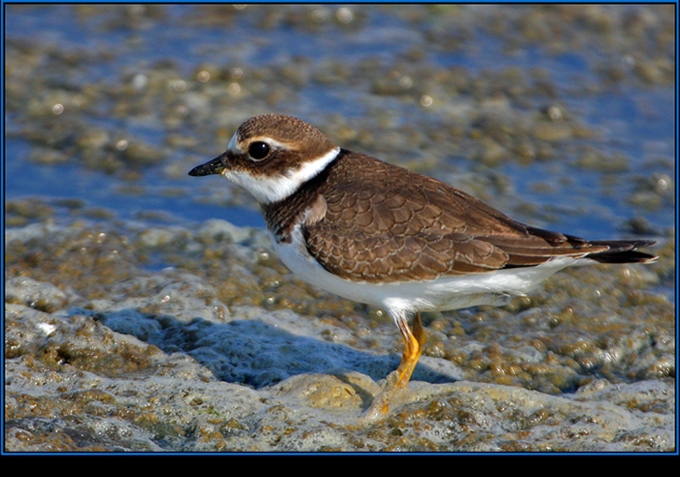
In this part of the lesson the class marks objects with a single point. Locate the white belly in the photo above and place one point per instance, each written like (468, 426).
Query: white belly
(444, 293)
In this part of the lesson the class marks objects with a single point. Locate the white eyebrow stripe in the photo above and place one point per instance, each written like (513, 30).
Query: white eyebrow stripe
(271, 142)
(234, 147)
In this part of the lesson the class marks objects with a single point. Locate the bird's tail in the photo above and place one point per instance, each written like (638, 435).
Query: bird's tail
(623, 251)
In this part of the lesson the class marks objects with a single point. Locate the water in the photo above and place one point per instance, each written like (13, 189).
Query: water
(628, 118)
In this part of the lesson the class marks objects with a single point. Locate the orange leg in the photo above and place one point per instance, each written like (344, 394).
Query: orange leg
(413, 348)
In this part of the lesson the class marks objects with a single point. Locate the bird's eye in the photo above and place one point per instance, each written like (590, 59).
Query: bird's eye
(258, 150)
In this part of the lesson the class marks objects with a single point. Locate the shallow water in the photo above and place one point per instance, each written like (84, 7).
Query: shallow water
(372, 71)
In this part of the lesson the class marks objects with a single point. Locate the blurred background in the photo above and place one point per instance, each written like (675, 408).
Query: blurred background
(561, 116)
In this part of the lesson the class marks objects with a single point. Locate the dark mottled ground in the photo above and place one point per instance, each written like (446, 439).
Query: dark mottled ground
(103, 354)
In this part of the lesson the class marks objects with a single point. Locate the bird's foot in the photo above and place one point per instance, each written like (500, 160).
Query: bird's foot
(380, 406)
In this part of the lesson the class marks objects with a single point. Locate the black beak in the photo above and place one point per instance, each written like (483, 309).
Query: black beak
(215, 166)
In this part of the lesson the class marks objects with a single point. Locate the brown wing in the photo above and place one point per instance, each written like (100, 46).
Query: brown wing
(382, 224)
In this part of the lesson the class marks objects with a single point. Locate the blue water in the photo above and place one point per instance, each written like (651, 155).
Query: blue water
(631, 120)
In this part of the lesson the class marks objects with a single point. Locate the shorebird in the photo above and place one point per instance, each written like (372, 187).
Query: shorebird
(380, 234)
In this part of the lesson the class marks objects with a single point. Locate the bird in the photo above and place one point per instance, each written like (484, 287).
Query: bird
(380, 234)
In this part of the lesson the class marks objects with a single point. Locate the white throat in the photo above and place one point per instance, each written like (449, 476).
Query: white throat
(268, 189)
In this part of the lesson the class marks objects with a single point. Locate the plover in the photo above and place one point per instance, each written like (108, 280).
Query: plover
(379, 234)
